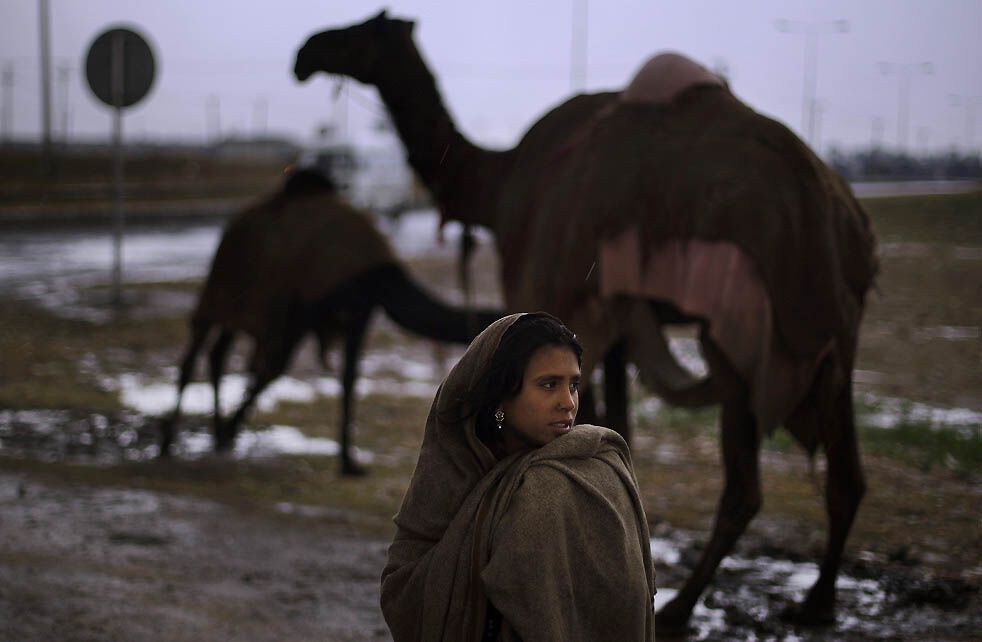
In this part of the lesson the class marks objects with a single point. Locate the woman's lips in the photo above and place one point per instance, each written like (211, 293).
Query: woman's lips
(562, 427)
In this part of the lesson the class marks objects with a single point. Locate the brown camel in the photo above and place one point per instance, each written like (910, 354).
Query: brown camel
(671, 201)
(304, 261)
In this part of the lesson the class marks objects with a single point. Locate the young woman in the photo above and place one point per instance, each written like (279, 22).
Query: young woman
(519, 525)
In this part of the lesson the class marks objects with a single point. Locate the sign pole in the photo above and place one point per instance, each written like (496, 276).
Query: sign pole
(118, 214)
(120, 68)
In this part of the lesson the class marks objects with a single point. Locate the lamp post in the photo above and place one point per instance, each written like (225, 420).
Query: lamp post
(811, 30)
(578, 51)
(904, 72)
(7, 120)
(47, 156)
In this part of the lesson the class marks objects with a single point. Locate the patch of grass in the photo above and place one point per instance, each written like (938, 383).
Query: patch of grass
(926, 447)
(916, 442)
(936, 218)
(53, 362)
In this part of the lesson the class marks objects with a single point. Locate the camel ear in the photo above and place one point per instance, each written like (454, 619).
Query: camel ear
(380, 20)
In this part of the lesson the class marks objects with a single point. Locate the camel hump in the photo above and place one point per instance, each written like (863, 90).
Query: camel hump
(666, 75)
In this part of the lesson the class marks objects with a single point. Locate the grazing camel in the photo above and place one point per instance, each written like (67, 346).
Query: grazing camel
(304, 261)
(671, 201)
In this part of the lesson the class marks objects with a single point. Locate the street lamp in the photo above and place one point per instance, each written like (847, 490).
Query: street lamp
(904, 71)
(811, 30)
(578, 46)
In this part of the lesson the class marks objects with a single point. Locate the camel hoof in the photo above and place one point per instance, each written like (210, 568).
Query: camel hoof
(224, 445)
(809, 614)
(351, 469)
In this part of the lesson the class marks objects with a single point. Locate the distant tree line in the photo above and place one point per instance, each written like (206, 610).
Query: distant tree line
(881, 164)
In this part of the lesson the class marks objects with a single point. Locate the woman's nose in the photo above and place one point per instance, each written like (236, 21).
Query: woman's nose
(566, 401)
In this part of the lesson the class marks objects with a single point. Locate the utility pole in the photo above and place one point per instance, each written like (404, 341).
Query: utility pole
(876, 134)
(64, 78)
(213, 118)
(47, 159)
(971, 103)
(7, 82)
(811, 30)
(578, 47)
(904, 71)
(260, 112)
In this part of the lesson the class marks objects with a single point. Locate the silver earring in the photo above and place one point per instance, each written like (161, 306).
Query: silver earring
(499, 417)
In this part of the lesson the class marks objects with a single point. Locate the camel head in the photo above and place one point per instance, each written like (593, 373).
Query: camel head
(358, 51)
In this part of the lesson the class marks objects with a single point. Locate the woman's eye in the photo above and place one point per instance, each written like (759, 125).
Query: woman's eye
(574, 386)
(549, 385)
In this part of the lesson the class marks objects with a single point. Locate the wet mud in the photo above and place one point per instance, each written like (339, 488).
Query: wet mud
(80, 563)
(756, 586)
(84, 563)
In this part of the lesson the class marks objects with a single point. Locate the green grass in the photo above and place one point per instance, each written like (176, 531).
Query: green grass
(943, 218)
(912, 442)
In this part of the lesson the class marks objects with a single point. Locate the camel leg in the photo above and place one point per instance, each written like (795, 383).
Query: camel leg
(354, 340)
(270, 358)
(845, 487)
(740, 502)
(615, 391)
(225, 438)
(216, 368)
(199, 332)
(587, 411)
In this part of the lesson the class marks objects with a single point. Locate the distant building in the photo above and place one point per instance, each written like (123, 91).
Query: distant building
(374, 178)
(267, 148)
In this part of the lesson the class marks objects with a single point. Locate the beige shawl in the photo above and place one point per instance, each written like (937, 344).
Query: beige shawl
(555, 538)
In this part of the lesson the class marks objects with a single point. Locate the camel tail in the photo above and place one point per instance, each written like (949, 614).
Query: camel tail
(416, 310)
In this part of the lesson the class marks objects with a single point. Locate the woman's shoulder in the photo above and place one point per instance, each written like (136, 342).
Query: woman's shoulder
(583, 441)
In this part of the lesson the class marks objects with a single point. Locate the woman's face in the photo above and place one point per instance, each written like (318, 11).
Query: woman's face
(546, 405)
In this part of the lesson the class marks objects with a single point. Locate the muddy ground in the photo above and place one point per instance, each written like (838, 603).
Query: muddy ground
(100, 542)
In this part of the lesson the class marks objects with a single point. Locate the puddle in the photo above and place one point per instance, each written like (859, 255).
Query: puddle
(947, 333)
(98, 439)
(889, 412)
(918, 250)
(748, 594)
(157, 398)
(59, 268)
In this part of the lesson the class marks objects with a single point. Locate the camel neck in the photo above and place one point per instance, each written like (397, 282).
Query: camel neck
(460, 175)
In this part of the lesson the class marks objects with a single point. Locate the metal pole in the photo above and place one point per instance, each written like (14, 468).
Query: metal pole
(876, 137)
(578, 47)
(118, 81)
(64, 79)
(47, 160)
(8, 102)
(811, 31)
(970, 104)
(811, 53)
(903, 108)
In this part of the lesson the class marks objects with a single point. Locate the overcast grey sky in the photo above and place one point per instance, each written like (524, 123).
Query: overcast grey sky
(502, 63)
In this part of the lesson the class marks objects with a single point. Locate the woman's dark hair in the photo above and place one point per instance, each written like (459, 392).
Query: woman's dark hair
(504, 377)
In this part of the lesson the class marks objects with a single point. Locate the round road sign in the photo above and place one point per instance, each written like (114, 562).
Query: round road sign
(137, 70)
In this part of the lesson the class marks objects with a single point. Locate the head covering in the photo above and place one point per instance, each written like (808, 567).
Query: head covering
(470, 528)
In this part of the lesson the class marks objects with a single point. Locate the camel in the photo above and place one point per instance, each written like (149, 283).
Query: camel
(668, 202)
(303, 261)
